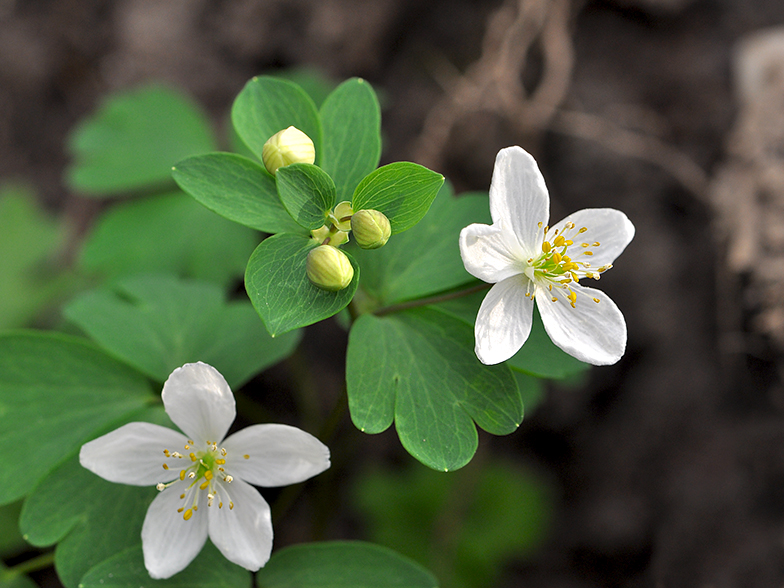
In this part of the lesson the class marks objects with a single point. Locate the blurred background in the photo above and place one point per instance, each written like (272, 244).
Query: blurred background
(664, 470)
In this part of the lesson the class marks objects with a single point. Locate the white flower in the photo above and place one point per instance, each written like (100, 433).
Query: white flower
(526, 260)
(204, 479)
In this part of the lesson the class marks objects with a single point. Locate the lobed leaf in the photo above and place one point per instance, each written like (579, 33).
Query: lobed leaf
(158, 323)
(419, 369)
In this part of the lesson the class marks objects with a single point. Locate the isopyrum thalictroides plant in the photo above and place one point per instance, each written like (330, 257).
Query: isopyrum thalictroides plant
(123, 416)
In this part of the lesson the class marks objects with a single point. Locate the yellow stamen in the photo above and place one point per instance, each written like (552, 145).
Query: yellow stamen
(204, 485)
(546, 246)
(559, 241)
(182, 508)
(188, 514)
(220, 461)
(246, 456)
(557, 257)
(231, 505)
(582, 230)
(182, 474)
(596, 300)
(165, 467)
(208, 474)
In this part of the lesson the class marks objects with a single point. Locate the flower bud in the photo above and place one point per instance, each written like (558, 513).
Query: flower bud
(371, 229)
(329, 268)
(335, 237)
(286, 147)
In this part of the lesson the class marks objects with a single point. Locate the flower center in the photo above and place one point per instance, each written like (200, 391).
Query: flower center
(562, 262)
(206, 473)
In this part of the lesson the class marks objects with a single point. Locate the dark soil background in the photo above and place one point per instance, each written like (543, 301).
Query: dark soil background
(670, 464)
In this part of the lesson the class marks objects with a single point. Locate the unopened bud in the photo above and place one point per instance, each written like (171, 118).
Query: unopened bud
(286, 147)
(329, 268)
(371, 229)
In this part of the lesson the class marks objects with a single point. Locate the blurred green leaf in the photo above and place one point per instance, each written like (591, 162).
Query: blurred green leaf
(403, 191)
(463, 525)
(11, 541)
(351, 120)
(133, 139)
(9, 579)
(425, 260)
(280, 290)
(307, 192)
(237, 188)
(312, 80)
(418, 367)
(167, 234)
(126, 569)
(342, 564)
(55, 392)
(29, 240)
(158, 323)
(267, 105)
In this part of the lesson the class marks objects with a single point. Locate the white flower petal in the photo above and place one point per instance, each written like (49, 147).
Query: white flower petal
(169, 542)
(490, 253)
(519, 200)
(199, 401)
(504, 320)
(278, 455)
(133, 454)
(592, 332)
(243, 534)
(611, 228)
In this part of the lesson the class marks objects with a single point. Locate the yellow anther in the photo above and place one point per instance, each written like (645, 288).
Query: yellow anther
(220, 505)
(547, 228)
(587, 252)
(574, 277)
(582, 230)
(556, 257)
(204, 485)
(555, 299)
(188, 514)
(187, 446)
(192, 456)
(567, 258)
(195, 508)
(540, 224)
(223, 451)
(546, 246)
(550, 287)
(246, 456)
(569, 242)
(165, 467)
(189, 441)
(182, 508)
(559, 241)
(585, 244)
(182, 496)
(231, 505)
(182, 474)
(596, 244)
(220, 461)
(572, 298)
(596, 300)
(166, 452)
(208, 474)
(570, 225)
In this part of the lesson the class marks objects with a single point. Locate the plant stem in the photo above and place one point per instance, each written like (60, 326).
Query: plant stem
(31, 565)
(432, 300)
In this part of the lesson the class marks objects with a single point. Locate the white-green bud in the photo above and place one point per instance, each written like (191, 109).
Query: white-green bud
(286, 147)
(329, 268)
(371, 229)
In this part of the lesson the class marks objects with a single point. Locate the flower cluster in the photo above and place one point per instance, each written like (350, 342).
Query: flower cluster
(205, 479)
(528, 260)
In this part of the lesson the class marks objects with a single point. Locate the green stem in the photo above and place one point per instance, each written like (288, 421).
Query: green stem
(31, 565)
(432, 300)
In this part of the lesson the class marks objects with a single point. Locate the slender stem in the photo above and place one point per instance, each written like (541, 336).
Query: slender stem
(432, 300)
(31, 565)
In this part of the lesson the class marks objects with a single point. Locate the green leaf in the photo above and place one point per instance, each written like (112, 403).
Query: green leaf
(55, 391)
(11, 541)
(493, 511)
(93, 518)
(267, 105)
(351, 120)
(167, 234)
(403, 191)
(236, 188)
(29, 240)
(307, 192)
(418, 367)
(426, 259)
(132, 141)
(126, 570)
(342, 564)
(158, 323)
(280, 290)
